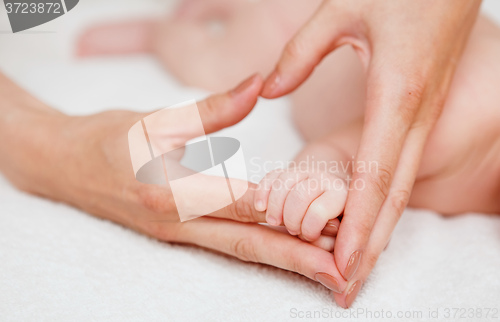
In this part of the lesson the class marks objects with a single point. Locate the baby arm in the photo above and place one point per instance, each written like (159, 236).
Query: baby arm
(313, 190)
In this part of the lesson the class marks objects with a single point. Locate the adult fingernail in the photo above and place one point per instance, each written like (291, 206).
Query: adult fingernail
(352, 264)
(243, 86)
(271, 84)
(331, 229)
(328, 281)
(352, 293)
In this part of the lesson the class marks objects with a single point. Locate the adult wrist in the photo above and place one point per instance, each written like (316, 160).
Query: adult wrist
(29, 129)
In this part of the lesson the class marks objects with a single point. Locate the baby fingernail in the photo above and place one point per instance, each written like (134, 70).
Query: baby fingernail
(259, 206)
(352, 293)
(352, 264)
(272, 221)
(328, 281)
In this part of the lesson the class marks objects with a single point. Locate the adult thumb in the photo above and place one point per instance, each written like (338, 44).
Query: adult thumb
(329, 28)
(170, 128)
(223, 110)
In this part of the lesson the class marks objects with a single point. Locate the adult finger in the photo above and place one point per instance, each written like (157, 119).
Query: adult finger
(331, 228)
(260, 244)
(328, 29)
(326, 242)
(242, 210)
(170, 128)
(389, 215)
(220, 111)
(392, 102)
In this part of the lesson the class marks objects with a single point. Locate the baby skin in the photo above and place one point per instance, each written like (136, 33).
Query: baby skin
(216, 45)
(460, 169)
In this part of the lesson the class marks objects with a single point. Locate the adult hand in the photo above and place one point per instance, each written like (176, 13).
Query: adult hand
(410, 50)
(85, 161)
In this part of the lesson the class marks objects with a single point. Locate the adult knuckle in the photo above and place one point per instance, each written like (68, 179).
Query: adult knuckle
(168, 232)
(241, 211)
(363, 228)
(156, 200)
(399, 199)
(295, 265)
(371, 259)
(414, 87)
(294, 262)
(217, 109)
(381, 180)
(243, 249)
(295, 49)
(210, 105)
(413, 91)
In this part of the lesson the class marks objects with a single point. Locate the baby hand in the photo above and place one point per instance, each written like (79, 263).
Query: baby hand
(305, 201)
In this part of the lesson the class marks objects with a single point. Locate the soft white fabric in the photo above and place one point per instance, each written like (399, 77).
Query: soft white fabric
(60, 264)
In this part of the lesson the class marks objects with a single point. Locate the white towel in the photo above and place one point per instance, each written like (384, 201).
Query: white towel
(58, 263)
